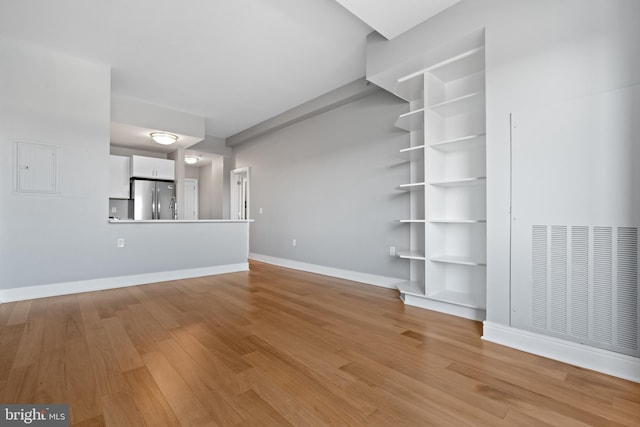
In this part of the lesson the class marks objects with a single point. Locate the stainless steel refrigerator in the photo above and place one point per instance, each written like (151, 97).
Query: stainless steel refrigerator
(153, 199)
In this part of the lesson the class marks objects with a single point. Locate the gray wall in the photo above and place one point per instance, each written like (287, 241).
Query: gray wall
(58, 100)
(211, 189)
(205, 191)
(52, 98)
(538, 53)
(217, 187)
(192, 172)
(329, 182)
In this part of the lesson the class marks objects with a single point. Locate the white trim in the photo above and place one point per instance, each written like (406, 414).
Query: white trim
(56, 289)
(607, 362)
(444, 307)
(369, 279)
(197, 208)
(177, 221)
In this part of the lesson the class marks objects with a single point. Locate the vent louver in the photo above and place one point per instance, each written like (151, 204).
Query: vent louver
(602, 285)
(585, 285)
(539, 276)
(558, 291)
(579, 282)
(627, 289)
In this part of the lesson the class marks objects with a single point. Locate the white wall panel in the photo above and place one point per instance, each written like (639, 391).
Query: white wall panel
(575, 216)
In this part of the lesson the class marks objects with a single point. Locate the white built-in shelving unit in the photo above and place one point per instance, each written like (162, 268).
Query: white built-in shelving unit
(447, 189)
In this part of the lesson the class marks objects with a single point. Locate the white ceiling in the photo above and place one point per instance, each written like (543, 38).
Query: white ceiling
(393, 17)
(126, 135)
(236, 63)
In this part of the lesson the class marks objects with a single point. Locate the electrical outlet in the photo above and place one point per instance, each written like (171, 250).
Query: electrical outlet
(114, 209)
(120, 242)
(293, 242)
(392, 250)
(260, 211)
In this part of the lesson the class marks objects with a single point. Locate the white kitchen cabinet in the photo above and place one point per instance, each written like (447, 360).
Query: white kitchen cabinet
(151, 167)
(165, 169)
(119, 173)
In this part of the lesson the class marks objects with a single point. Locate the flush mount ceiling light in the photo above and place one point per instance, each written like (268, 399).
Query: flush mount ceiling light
(164, 138)
(190, 160)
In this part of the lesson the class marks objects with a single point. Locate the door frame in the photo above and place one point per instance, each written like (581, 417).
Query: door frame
(197, 206)
(239, 176)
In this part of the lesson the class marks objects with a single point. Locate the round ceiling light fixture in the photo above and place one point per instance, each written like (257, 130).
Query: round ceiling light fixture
(164, 138)
(190, 160)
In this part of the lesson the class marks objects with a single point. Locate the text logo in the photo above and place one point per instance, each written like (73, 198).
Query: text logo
(34, 415)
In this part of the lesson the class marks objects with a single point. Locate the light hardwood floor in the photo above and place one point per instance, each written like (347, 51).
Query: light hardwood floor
(280, 347)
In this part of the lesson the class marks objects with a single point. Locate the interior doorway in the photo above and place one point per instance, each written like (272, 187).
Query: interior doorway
(190, 199)
(239, 196)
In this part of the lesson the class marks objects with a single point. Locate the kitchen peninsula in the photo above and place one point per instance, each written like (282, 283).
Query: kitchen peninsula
(160, 250)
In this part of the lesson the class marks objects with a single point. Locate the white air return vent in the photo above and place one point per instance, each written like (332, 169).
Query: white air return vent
(575, 215)
(584, 285)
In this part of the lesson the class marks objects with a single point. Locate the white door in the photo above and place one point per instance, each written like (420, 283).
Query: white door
(190, 199)
(239, 193)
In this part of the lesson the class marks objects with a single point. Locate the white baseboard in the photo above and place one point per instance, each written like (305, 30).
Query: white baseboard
(369, 279)
(56, 289)
(444, 307)
(607, 362)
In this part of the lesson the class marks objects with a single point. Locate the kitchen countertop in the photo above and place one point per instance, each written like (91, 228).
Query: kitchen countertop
(176, 221)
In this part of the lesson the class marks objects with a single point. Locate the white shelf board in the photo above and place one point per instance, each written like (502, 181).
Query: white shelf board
(460, 182)
(458, 144)
(466, 103)
(460, 298)
(412, 153)
(413, 120)
(411, 255)
(465, 64)
(458, 221)
(413, 221)
(456, 259)
(414, 186)
(438, 67)
(411, 287)
(411, 87)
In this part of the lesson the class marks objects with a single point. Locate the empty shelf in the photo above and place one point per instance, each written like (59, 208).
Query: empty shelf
(462, 143)
(413, 153)
(411, 186)
(411, 87)
(460, 182)
(467, 63)
(456, 259)
(466, 103)
(458, 221)
(413, 120)
(411, 255)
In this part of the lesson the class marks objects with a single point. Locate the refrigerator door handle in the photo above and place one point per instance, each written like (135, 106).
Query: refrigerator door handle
(157, 190)
(154, 205)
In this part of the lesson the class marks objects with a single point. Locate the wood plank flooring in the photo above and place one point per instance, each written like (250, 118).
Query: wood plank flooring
(285, 348)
